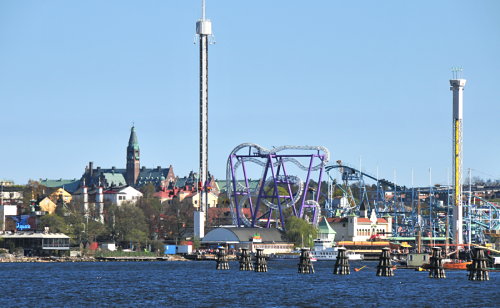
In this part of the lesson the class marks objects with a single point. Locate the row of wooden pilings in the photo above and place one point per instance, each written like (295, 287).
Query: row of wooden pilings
(477, 270)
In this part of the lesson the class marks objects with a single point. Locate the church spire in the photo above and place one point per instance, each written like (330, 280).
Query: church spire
(133, 159)
(132, 142)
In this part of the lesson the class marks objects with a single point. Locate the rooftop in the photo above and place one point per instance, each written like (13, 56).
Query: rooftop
(32, 235)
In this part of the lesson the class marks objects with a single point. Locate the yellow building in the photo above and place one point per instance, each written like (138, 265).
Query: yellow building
(47, 205)
(60, 193)
(194, 199)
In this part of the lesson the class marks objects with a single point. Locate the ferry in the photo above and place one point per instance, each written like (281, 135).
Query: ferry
(324, 250)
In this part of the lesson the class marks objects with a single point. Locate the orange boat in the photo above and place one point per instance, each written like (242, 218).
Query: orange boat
(457, 265)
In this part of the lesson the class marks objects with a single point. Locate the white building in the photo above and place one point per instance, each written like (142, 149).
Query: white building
(6, 210)
(120, 195)
(270, 239)
(359, 229)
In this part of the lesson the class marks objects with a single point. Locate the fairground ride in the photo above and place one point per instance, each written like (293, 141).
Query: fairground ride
(285, 182)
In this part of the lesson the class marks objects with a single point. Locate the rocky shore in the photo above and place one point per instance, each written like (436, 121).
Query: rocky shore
(10, 258)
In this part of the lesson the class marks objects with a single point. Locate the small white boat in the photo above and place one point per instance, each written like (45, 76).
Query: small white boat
(324, 250)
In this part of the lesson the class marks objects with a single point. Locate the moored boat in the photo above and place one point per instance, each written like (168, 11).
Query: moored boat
(324, 250)
(457, 265)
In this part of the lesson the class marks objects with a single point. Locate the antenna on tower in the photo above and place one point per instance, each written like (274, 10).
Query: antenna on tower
(204, 27)
(202, 9)
(456, 72)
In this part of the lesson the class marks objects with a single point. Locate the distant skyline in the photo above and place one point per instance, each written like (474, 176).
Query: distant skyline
(368, 80)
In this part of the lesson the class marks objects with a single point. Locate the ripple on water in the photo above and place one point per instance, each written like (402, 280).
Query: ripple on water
(199, 284)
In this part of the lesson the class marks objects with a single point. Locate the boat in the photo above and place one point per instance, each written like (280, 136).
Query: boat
(324, 250)
(285, 255)
(459, 265)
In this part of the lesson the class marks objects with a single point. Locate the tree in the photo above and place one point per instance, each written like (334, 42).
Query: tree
(178, 219)
(96, 231)
(300, 232)
(148, 191)
(157, 246)
(127, 224)
(31, 191)
(55, 224)
(152, 208)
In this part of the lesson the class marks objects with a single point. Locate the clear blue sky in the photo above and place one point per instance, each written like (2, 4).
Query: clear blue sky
(366, 79)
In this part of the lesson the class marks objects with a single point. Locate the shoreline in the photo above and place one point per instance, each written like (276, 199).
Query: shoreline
(14, 259)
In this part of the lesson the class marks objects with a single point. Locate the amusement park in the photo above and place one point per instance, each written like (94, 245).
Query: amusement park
(350, 208)
(299, 192)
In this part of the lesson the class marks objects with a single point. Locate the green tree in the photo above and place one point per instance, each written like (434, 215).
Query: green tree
(300, 232)
(127, 224)
(148, 191)
(31, 191)
(152, 208)
(196, 242)
(178, 219)
(54, 222)
(96, 231)
(157, 247)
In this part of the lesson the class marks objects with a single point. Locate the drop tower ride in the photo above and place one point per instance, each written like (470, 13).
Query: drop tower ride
(457, 86)
(203, 32)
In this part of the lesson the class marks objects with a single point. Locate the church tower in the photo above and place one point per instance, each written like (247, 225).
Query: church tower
(133, 161)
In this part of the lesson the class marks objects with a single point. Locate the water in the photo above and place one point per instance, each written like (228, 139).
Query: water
(189, 284)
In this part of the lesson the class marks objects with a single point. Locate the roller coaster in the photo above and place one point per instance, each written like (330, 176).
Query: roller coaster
(349, 187)
(286, 183)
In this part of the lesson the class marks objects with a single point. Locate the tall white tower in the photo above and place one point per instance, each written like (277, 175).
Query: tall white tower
(204, 32)
(457, 86)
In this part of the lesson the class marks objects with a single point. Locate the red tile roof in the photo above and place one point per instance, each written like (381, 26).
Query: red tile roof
(360, 219)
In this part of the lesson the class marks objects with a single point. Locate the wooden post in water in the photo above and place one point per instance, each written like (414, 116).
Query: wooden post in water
(260, 261)
(222, 263)
(436, 265)
(478, 270)
(245, 260)
(384, 267)
(342, 263)
(305, 264)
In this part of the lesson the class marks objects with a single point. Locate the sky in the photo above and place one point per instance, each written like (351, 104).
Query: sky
(369, 80)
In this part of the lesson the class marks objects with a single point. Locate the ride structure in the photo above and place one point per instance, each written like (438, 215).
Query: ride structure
(457, 86)
(287, 184)
(355, 187)
(359, 190)
(204, 34)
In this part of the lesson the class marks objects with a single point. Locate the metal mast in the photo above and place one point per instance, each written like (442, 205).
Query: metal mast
(203, 31)
(457, 86)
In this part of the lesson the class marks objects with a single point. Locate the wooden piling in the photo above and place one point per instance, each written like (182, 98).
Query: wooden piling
(384, 267)
(222, 263)
(245, 260)
(342, 263)
(260, 261)
(305, 264)
(436, 269)
(478, 270)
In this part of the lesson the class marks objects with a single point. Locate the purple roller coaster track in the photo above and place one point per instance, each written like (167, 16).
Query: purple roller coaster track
(280, 188)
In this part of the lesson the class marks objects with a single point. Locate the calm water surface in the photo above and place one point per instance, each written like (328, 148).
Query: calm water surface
(198, 284)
